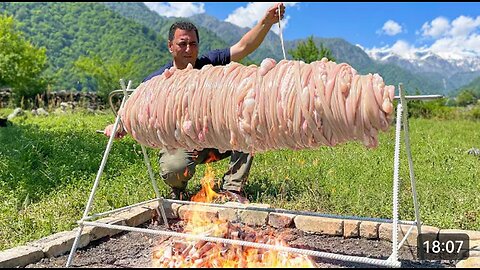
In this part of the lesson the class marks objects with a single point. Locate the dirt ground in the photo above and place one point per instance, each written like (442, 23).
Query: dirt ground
(134, 250)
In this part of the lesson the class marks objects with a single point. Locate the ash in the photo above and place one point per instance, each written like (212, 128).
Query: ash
(134, 250)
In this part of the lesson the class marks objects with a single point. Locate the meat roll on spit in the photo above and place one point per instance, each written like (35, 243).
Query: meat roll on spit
(282, 105)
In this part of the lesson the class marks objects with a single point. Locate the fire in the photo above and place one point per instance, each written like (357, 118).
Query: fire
(190, 253)
(206, 194)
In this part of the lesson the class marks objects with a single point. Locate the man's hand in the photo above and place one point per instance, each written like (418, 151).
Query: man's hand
(271, 16)
(118, 135)
(253, 38)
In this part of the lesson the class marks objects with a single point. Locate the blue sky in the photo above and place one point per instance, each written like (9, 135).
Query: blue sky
(449, 29)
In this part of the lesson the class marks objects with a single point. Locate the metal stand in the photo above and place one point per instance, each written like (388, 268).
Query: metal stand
(392, 261)
(85, 217)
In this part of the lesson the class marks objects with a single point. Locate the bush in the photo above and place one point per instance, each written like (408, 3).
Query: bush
(432, 109)
(21, 62)
(474, 113)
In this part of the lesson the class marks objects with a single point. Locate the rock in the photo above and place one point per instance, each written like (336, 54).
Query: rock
(42, 111)
(59, 111)
(279, 220)
(15, 113)
(317, 224)
(252, 217)
(474, 151)
(20, 256)
(64, 105)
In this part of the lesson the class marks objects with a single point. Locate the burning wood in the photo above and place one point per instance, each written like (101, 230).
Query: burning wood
(175, 253)
(188, 253)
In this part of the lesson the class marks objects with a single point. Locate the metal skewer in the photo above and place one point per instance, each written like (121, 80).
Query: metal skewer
(420, 97)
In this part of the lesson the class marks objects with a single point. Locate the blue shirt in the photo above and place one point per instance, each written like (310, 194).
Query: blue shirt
(216, 57)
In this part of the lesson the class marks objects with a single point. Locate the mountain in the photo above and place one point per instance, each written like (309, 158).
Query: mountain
(451, 72)
(140, 13)
(473, 86)
(231, 34)
(71, 30)
(343, 51)
(122, 30)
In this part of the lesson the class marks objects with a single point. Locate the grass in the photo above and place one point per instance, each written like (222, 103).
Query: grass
(48, 166)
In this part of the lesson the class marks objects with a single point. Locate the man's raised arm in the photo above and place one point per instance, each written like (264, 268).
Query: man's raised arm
(253, 38)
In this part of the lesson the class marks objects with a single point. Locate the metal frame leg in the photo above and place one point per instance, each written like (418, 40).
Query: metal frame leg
(155, 187)
(97, 179)
(410, 161)
(402, 114)
(396, 165)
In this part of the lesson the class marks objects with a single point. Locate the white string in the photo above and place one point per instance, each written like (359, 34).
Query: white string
(281, 36)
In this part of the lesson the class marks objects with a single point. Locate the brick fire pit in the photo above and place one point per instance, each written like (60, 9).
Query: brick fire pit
(100, 247)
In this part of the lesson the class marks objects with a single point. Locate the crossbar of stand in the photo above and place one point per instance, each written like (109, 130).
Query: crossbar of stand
(392, 261)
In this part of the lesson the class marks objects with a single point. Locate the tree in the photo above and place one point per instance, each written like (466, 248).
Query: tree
(465, 97)
(21, 63)
(105, 74)
(309, 52)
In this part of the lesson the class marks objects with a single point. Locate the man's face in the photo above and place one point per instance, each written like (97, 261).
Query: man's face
(184, 48)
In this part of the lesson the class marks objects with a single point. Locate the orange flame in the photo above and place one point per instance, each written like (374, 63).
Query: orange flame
(206, 194)
(219, 255)
(211, 157)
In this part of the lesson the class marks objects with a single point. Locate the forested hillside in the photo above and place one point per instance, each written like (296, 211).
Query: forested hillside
(342, 50)
(71, 30)
(129, 31)
(231, 34)
(473, 87)
(140, 13)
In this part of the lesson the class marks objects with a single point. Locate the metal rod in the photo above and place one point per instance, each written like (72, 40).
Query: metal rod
(411, 97)
(97, 179)
(406, 136)
(115, 92)
(391, 261)
(250, 244)
(118, 210)
(396, 165)
(155, 187)
(284, 211)
(405, 237)
(420, 97)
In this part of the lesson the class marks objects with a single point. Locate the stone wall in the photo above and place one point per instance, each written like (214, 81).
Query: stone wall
(54, 99)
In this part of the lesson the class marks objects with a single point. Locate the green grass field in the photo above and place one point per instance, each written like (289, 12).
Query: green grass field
(48, 166)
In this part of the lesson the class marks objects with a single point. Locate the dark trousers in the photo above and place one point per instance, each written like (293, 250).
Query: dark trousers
(178, 166)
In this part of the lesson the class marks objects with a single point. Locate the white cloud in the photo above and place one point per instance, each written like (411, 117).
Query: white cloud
(176, 9)
(404, 49)
(458, 39)
(463, 26)
(457, 48)
(391, 28)
(461, 40)
(283, 24)
(438, 27)
(249, 15)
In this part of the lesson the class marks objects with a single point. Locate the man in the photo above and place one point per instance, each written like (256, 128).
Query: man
(178, 167)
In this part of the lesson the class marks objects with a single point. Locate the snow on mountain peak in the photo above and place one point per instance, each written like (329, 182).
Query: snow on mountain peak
(424, 59)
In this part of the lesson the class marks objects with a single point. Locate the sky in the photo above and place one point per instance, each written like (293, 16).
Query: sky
(450, 29)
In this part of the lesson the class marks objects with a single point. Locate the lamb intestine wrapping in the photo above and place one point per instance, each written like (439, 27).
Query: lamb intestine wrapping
(253, 108)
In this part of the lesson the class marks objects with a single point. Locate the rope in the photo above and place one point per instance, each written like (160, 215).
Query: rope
(314, 253)
(281, 36)
(396, 166)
